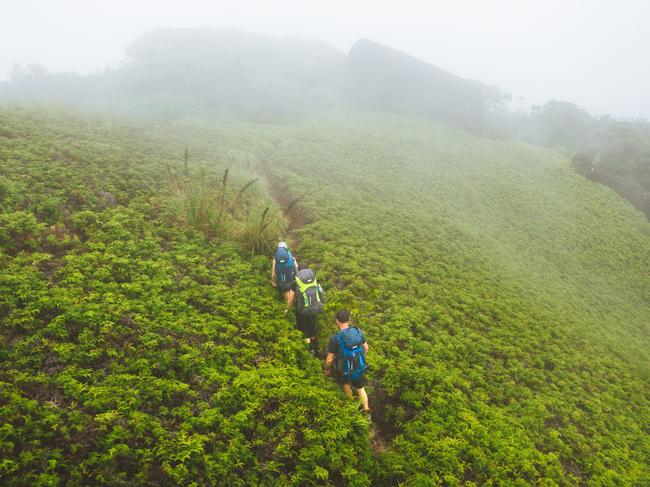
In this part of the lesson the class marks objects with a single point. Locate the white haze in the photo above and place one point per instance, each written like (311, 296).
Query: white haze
(593, 53)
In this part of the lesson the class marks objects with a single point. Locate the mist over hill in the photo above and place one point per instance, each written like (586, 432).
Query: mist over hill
(235, 71)
(175, 72)
(379, 78)
(225, 73)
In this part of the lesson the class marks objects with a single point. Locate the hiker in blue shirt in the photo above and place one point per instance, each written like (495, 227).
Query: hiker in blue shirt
(346, 355)
(283, 274)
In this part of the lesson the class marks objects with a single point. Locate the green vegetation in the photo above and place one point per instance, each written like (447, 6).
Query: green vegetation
(618, 150)
(505, 300)
(225, 214)
(136, 352)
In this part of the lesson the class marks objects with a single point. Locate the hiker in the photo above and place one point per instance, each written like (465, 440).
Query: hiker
(346, 353)
(309, 304)
(283, 274)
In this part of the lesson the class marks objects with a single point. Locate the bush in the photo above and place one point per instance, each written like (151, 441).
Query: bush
(19, 231)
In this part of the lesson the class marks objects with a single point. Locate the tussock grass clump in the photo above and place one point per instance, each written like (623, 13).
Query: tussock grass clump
(262, 230)
(227, 209)
(193, 204)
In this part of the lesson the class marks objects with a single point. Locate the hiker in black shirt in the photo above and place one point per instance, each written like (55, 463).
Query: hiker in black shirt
(352, 373)
(309, 304)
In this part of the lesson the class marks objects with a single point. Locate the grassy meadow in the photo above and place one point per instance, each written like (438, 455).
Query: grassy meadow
(506, 302)
(506, 299)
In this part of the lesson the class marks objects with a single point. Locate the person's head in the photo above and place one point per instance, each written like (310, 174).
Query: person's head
(342, 317)
(283, 245)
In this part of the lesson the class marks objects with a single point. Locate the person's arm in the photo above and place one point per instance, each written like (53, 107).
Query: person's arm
(365, 343)
(329, 363)
(273, 277)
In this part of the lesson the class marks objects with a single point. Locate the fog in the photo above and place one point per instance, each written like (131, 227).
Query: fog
(592, 53)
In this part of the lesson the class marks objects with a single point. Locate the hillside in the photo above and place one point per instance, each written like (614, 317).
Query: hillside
(137, 352)
(376, 77)
(505, 300)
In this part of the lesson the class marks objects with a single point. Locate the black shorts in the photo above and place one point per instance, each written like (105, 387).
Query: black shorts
(283, 288)
(356, 383)
(306, 324)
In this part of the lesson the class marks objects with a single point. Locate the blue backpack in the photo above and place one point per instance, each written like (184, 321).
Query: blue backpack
(352, 359)
(285, 269)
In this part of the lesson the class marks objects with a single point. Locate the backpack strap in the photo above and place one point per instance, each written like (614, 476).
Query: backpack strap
(342, 357)
(339, 338)
(301, 285)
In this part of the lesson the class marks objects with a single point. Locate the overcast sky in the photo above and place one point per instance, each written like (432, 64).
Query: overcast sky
(593, 53)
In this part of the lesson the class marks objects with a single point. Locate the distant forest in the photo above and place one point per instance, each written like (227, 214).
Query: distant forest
(221, 73)
(177, 72)
(606, 150)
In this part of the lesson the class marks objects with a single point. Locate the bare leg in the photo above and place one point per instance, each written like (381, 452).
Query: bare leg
(347, 388)
(289, 297)
(364, 398)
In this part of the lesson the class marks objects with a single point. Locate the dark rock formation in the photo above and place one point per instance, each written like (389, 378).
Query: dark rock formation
(376, 77)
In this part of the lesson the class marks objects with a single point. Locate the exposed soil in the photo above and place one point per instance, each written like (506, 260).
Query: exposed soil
(293, 213)
(382, 431)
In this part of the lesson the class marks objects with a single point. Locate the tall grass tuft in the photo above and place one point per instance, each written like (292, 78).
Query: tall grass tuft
(193, 204)
(262, 230)
(237, 199)
(212, 207)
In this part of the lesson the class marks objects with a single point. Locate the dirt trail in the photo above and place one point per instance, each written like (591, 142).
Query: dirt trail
(292, 213)
(381, 432)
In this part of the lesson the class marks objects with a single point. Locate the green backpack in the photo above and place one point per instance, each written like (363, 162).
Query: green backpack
(309, 301)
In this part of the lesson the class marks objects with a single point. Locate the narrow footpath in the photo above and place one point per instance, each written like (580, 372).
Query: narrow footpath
(381, 433)
(290, 207)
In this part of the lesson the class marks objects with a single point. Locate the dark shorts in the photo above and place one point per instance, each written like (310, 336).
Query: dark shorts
(306, 324)
(356, 383)
(283, 288)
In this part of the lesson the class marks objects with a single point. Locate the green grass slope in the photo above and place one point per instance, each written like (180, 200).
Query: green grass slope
(137, 353)
(505, 299)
